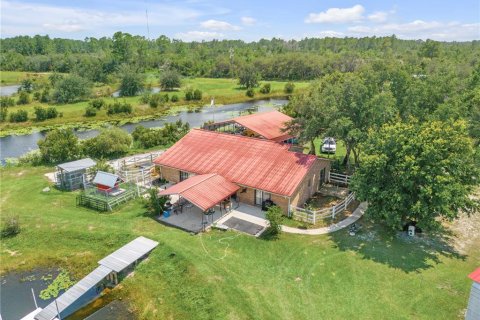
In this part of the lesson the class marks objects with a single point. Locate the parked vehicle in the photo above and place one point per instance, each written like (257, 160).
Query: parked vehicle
(329, 145)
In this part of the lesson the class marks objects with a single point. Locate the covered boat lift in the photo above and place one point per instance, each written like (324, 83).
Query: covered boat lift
(109, 267)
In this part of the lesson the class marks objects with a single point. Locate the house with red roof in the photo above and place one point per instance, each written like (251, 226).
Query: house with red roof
(266, 125)
(473, 309)
(208, 166)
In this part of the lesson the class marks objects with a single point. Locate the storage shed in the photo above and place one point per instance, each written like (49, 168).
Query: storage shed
(106, 182)
(473, 311)
(69, 175)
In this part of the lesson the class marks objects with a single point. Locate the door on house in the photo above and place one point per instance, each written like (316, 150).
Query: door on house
(261, 196)
(322, 176)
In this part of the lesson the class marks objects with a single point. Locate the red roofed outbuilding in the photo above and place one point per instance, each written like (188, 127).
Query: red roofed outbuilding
(263, 169)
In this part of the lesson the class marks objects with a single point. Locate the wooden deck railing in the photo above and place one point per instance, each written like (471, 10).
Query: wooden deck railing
(312, 216)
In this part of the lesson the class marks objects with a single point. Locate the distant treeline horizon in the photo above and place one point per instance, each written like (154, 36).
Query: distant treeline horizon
(274, 59)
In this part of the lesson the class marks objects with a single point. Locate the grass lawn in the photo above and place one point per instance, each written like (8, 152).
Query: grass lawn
(225, 91)
(224, 275)
(15, 77)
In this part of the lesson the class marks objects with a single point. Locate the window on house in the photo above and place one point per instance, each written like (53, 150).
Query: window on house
(184, 175)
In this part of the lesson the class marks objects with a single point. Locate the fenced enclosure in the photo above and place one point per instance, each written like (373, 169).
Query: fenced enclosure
(139, 170)
(312, 216)
(104, 201)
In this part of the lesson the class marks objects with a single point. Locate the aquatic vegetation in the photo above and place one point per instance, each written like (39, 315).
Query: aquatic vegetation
(61, 282)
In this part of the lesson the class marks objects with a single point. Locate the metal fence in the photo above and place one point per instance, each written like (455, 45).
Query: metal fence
(312, 216)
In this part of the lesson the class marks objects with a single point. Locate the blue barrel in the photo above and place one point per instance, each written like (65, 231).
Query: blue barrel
(166, 213)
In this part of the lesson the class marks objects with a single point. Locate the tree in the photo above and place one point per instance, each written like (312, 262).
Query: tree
(26, 85)
(113, 142)
(155, 203)
(248, 77)
(59, 145)
(23, 98)
(71, 88)
(170, 79)
(265, 88)
(274, 216)
(417, 171)
(289, 87)
(131, 82)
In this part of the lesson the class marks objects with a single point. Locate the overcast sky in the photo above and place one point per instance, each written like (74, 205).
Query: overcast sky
(247, 19)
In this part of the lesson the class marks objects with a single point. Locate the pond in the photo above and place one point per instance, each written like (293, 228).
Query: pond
(9, 90)
(15, 146)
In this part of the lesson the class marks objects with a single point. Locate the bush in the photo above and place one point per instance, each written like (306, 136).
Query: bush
(7, 102)
(45, 96)
(37, 95)
(174, 98)
(11, 227)
(119, 107)
(265, 88)
(289, 88)
(189, 94)
(155, 203)
(97, 103)
(250, 93)
(274, 216)
(33, 158)
(131, 83)
(113, 142)
(165, 136)
(42, 114)
(59, 145)
(23, 98)
(145, 98)
(3, 113)
(71, 88)
(90, 111)
(165, 97)
(19, 116)
(26, 85)
(197, 94)
(170, 79)
(154, 100)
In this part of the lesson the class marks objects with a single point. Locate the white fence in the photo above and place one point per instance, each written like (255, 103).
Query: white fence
(312, 216)
(339, 178)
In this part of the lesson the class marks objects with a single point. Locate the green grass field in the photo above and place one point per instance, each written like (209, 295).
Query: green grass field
(224, 91)
(225, 275)
(15, 77)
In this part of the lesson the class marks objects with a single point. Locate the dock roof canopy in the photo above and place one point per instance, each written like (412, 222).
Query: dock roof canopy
(105, 179)
(250, 162)
(204, 191)
(128, 254)
(77, 165)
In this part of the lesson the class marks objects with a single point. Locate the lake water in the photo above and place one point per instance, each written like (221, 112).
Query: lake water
(15, 146)
(9, 90)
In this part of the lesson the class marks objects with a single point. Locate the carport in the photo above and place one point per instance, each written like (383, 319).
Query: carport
(209, 194)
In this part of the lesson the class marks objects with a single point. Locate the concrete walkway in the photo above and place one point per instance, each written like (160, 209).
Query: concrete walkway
(357, 214)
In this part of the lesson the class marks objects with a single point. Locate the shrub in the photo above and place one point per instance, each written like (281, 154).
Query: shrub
(119, 107)
(131, 83)
(19, 116)
(170, 79)
(165, 97)
(274, 216)
(165, 136)
(155, 203)
(3, 113)
(113, 142)
(145, 98)
(23, 98)
(45, 96)
(197, 94)
(90, 111)
(289, 88)
(11, 227)
(7, 102)
(154, 100)
(250, 93)
(71, 88)
(33, 157)
(97, 103)
(37, 95)
(189, 94)
(174, 98)
(43, 114)
(265, 88)
(26, 85)
(59, 145)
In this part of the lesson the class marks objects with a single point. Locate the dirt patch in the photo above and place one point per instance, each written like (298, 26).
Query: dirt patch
(466, 232)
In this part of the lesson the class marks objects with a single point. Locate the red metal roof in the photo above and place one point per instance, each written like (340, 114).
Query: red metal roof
(267, 124)
(475, 275)
(256, 163)
(204, 191)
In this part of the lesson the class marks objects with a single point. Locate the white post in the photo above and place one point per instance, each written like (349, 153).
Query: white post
(314, 216)
(333, 212)
(34, 300)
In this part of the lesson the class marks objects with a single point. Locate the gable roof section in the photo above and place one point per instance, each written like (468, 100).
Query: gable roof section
(105, 179)
(267, 124)
(204, 191)
(475, 275)
(255, 163)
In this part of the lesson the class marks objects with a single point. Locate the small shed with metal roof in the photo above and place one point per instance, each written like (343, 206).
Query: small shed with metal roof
(106, 181)
(69, 175)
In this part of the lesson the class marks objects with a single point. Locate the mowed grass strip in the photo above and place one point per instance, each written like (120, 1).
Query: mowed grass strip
(374, 275)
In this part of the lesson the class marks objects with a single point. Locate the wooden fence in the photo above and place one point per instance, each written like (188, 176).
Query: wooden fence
(312, 216)
(339, 178)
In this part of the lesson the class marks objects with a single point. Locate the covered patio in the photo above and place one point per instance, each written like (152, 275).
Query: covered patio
(197, 202)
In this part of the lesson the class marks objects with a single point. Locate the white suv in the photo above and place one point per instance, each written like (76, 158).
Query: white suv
(329, 145)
